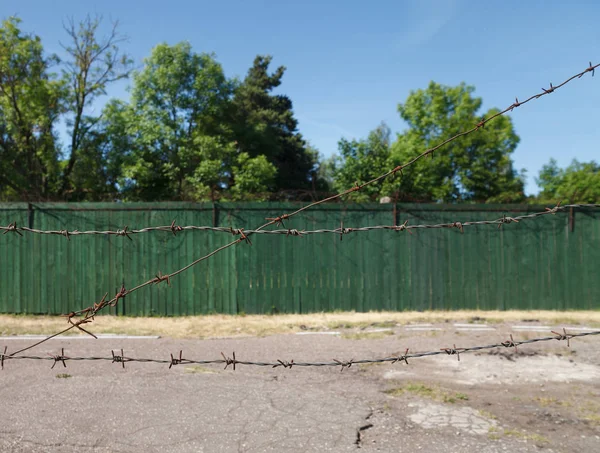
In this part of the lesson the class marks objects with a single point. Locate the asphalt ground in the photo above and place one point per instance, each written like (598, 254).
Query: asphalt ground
(542, 397)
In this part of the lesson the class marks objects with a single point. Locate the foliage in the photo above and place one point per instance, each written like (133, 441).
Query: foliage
(474, 168)
(190, 133)
(361, 161)
(577, 183)
(264, 123)
(176, 144)
(30, 105)
(93, 64)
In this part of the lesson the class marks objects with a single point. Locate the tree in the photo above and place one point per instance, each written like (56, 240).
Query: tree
(30, 105)
(263, 123)
(173, 137)
(362, 161)
(93, 64)
(578, 183)
(103, 151)
(476, 167)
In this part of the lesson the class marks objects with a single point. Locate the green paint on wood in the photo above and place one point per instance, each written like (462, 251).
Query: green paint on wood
(536, 264)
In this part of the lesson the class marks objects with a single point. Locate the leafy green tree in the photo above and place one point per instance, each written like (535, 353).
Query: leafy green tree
(322, 173)
(476, 167)
(103, 152)
(30, 106)
(176, 100)
(264, 123)
(93, 64)
(578, 183)
(173, 138)
(361, 161)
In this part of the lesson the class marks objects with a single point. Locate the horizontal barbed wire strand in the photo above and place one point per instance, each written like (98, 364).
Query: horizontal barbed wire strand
(180, 360)
(295, 232)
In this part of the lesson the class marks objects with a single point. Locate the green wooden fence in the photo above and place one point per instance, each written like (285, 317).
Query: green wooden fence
(552, 262)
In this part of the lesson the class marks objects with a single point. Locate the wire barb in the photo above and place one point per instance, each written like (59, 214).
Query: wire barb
(125, 232)
(294, 233)
(121, 358)
(453, 351)
(284, 364)
(2, 357)
(120, 295)
(175, 360)
(563, 336)
(59, 358)
(12, 228)
(510, 344)
(229, 361)
(555, 209)
(343, 364)
(401, 358)
(343, 230)
(162, 278)
(175, 228)
(278, 220)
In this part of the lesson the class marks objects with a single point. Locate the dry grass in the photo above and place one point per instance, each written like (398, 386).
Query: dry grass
(426, 391)
(367, 335)
(211, 326)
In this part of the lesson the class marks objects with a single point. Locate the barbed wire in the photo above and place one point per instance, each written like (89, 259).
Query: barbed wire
(174, 228)
(89, 312)
(233, 361)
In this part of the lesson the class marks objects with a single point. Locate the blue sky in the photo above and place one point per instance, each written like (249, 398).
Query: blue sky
(349, 63)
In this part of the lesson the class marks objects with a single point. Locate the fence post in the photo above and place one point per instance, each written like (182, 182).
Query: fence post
(215, 214)
(571, 219)
(30, 215)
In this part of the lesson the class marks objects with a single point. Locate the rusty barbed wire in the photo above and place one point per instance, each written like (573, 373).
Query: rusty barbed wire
(89, 313)
(294, 232)
(178, 359)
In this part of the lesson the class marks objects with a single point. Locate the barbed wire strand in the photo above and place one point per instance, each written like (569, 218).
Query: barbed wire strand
(89, 313)
(227, 361)
(295, 232)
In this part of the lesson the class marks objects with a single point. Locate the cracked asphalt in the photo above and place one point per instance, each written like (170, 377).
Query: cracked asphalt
(101, 407)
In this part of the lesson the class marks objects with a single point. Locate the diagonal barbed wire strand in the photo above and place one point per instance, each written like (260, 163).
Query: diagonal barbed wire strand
(226, 360)
(89, 312)
(174, 228)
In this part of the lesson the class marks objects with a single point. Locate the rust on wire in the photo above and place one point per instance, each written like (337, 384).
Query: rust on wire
(120, 295)
(510, 344)
(563, 336)
(162, 278)
(175, 228)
